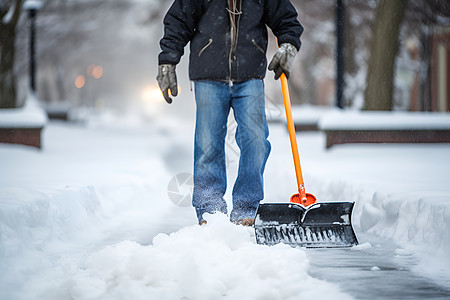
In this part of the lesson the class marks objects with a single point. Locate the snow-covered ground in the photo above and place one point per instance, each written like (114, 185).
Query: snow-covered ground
(92, 216)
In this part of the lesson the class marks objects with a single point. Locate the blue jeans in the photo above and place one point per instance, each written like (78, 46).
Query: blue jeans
(214, 100)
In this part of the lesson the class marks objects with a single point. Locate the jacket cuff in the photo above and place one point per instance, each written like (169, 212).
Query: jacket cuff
(168, 59)
(291, 40)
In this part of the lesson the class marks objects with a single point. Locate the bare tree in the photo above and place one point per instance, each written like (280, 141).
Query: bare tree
(380, 74)
(359, 18)
(120, 35)
(316, 63)
(9, 17)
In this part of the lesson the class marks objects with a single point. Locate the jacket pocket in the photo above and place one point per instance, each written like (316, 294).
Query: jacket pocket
(205, 47)
(258, 46)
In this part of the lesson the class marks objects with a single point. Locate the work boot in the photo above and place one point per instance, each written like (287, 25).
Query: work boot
(249, 222)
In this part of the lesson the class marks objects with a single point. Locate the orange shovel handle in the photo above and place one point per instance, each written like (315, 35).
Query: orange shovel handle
(291, 130)
(302, 197)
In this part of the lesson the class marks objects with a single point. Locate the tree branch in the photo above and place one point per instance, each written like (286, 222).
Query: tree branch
(16, 14)
(3, 11)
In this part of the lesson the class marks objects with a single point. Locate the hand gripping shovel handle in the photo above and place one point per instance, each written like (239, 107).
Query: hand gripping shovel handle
(302, 197)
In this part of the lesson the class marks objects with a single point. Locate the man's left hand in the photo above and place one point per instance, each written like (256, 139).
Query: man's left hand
(283, 59)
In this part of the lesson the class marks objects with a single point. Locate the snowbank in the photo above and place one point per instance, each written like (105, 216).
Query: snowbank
(216, 261)
(377, 120)
(310, 115)
(34, 227)
(420, 224)
(32, 5)
(51, 241)
(31, 115)
(401, 193)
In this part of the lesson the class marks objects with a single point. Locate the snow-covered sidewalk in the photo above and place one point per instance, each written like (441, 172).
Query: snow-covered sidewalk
(89, 217)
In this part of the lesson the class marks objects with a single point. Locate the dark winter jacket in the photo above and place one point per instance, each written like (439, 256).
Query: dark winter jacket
(206, 24)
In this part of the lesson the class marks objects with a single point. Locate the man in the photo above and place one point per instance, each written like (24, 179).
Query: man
(228, 43)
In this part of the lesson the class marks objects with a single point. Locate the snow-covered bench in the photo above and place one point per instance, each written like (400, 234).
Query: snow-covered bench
(23, 125)
(305, 117)
(385, 127)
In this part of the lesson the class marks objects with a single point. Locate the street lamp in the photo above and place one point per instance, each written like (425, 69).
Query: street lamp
(32, 6)
(340, 81)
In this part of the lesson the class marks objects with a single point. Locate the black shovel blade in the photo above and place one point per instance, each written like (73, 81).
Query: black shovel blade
(320, 225)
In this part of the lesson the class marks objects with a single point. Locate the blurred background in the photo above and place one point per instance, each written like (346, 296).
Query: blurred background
(102, 54)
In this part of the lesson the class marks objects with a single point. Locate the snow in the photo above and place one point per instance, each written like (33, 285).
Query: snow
(31, 115)
(401, 192)
(361, 247)
(8, 16)
(332, 118)
(89, 216)
(310, 115)
(33, 5)
(377, 120)
(193, 263)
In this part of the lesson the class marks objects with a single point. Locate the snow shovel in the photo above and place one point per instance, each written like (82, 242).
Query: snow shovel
(303, 222)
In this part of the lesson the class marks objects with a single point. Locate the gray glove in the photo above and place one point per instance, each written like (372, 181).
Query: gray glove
(167, 79)
(283, 59)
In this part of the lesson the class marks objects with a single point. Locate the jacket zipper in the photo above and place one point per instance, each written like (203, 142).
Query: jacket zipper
(204, 48)
(257, 46)
(229, 66)
(233, 45)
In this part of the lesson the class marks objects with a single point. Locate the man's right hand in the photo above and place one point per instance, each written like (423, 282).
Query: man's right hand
(167, 79)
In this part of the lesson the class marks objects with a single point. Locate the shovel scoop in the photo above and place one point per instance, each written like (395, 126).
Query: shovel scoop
(303, 222)
(320, 225)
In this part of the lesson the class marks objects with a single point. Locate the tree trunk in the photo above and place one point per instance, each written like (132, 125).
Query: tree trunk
(7, 80)
(7, 50)
(380, 74)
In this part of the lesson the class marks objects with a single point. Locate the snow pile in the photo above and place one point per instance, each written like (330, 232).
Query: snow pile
(401, 193)
(31, 115)
(29, 218)
(56, 241)
(35, 227)
(421, 224)
(33, 5)
(216, 261)
(311, 115)
(377, 120)
(362, 247)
